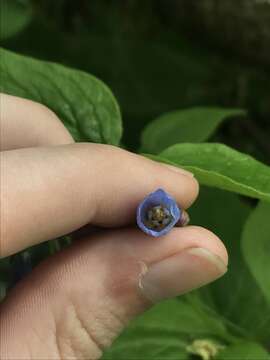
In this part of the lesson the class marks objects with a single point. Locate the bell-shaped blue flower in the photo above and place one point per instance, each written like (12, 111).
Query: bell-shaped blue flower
(158, 213)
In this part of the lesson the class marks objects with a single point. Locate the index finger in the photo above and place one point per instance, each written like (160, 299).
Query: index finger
(49, 192)
(25, 123)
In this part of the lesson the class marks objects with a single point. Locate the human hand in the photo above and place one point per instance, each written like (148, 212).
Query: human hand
(76, 302)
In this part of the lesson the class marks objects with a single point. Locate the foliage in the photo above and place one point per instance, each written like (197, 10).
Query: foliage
(219, 166)
(150, 68)
(172, 128)
(230, 318)
(257, 254)
(84, 103)
(14, 16)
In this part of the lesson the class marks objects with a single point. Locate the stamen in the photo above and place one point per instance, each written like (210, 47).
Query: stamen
(158, 217)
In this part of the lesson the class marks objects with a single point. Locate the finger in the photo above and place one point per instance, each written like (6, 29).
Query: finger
(79, 300)
(48, 192)
(25, 123)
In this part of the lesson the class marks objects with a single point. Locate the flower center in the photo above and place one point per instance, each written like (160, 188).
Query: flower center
(158, 217)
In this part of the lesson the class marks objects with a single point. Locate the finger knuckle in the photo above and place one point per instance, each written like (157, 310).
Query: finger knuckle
(84, 337)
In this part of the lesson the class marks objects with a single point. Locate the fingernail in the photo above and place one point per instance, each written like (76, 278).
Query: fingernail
(178, 274)
(179, 170)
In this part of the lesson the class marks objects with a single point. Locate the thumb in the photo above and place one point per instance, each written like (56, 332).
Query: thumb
(74, 304)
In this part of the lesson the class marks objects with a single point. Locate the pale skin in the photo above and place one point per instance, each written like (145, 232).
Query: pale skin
(74, 304)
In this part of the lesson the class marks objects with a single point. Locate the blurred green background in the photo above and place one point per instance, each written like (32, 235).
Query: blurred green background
(161, 55)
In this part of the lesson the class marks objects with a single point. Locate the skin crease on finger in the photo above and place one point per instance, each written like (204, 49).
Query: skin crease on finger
(86, 294)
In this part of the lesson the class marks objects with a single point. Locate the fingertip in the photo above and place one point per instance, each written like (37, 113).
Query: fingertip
(179, 170)
(185, 190)
(204, 238)
(195, 190)
(178, 182)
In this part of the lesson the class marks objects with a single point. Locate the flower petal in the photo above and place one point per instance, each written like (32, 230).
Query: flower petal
(157, 198)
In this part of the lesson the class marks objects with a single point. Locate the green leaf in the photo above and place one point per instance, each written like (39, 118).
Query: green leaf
(226, 214)
(154, 346)
(256, 247)
(244, 351)
(220, 166)
(15, 15)
(84, 104)
(190, 125)
(166, 331)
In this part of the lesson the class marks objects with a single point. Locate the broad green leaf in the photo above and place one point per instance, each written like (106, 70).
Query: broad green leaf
(190, 125)
(147, 346)
(15, 15)
(256, 247)
(225, 214)
(166, 331)
(244, 351)
(220, 166)
(84, 104)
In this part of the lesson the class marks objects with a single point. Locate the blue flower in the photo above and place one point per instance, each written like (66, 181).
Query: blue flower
(158, 213)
